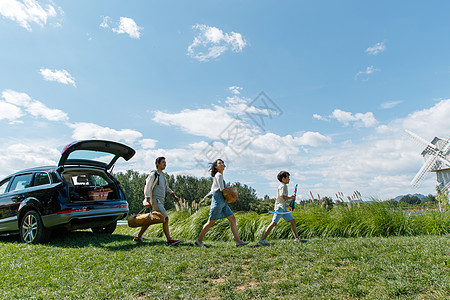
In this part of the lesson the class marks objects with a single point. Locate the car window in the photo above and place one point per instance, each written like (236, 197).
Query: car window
(21, 182)
(41, 178)
(98, 156)
(80, 180)
(98, 180)
(4, 185)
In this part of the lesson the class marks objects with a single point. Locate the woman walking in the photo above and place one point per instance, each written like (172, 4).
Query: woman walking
(219, 206)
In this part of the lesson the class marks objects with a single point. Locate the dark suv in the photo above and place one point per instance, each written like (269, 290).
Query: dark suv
(78, 193)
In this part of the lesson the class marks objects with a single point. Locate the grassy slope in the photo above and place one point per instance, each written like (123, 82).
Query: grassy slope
(84, 265)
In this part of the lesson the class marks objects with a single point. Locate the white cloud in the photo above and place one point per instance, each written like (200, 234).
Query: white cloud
(381, 164)
(367, 119)
(211, 122)
(345, 117)
(430, 122)
(390, 104)
(369, 70)
(61, 76)
(202, 122)
(17, 156)
(313, 139)
(148, 143)
(86, 131)
(127, 26)
(9, 111)
(320, 118)
(235, 89)
(268, 150)
(362, 166)
(105, 22)
(181, 159)
(26, 12)
(376, 49)
(212, 42)
(33, 107)
(234, 139)
(38, 109)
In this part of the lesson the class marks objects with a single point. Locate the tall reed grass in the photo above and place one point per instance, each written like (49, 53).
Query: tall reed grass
(362, 220)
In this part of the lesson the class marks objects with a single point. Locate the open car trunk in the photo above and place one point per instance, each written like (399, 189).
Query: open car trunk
(86, 184)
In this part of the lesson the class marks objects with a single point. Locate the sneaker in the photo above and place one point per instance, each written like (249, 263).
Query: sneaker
(300, 240)
(173, 242)
(263, 242)
(241, 243)
(198, 244)
(138, 239)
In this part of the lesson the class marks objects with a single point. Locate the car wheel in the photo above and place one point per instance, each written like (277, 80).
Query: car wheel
(105, 229)
(32, 230)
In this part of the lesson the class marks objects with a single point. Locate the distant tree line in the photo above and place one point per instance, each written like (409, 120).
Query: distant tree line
(191, 189)
(411, 200)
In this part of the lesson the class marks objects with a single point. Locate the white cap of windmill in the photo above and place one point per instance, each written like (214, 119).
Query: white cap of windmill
(436, 155)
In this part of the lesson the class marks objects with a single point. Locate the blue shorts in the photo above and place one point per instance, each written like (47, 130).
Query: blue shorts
(219, 207)
(287, 217)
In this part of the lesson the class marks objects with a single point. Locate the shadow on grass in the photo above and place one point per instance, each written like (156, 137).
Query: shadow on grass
(82, 239)
(10, 238)
(113, 242)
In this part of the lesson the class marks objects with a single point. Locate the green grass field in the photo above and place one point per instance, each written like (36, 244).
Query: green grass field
(85, 265)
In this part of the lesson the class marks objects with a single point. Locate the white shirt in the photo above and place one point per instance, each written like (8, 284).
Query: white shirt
(282, 191)
(218, 183)
(159, 191)
(151, 184)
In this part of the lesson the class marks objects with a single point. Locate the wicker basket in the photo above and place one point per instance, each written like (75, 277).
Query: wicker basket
(99, 194)
(230, 194)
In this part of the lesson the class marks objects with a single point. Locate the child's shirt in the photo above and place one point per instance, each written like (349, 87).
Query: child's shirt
(280, 202)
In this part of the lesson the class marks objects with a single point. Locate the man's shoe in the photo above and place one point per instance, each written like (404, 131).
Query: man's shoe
(241, 243)
(263, 242)
(138, 239)
(173, 242)
(198, 244)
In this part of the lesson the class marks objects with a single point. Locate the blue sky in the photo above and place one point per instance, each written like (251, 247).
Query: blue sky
(335, 83)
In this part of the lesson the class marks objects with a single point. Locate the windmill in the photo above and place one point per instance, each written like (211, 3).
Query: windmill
(437, 159)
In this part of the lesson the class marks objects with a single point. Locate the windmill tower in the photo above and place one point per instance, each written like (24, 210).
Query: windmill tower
(437, 159)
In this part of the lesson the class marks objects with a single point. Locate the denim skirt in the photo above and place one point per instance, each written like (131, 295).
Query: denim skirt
(219, 207)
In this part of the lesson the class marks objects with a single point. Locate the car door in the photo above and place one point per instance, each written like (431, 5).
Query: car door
(15, 193)
(4, 200)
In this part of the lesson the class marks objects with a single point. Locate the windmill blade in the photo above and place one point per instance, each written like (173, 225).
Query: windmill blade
(443, 152)
(427, 166)
(445, 188)
(446, 145)
(420, 140)
(443, 158)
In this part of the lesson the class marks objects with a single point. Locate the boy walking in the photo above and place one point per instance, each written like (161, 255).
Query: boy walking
(281, 211)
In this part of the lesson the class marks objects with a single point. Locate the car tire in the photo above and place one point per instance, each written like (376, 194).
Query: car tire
(32, 230)
(108, 229)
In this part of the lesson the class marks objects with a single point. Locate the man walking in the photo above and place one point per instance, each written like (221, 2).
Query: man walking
(155, 191)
